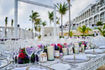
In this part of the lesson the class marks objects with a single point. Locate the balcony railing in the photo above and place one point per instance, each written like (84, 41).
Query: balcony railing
(8, 33)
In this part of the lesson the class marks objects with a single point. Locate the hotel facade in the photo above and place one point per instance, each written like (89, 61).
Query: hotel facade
(91, 15)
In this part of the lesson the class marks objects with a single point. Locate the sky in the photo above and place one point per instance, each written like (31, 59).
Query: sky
(24, 11)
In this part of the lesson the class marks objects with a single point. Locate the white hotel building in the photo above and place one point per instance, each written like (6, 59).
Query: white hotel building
(91, 14)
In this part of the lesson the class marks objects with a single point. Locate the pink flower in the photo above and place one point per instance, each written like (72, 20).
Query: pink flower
(52, 44)
(39, 46)
(65, 44)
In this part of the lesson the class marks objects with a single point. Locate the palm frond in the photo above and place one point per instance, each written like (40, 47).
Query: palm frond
(84, 29)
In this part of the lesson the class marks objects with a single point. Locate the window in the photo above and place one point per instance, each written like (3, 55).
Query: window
(102, 17)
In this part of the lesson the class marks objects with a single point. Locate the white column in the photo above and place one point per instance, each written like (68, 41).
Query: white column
(54, 21)
(16, 19)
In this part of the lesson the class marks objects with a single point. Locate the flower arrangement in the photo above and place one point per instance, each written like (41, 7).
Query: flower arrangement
(59, 45)
(23, 58)
(83, 43)
(56, 47)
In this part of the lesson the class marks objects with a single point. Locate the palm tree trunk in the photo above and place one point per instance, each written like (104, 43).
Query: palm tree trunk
(32, 30)
(69, 20)
(61, 25)
(83, 33)
(50, 22)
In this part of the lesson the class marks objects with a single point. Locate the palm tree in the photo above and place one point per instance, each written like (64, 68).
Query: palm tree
(99, 23)
(62, 8)
(12, 23)
(12, 26)
(51, 16)
(69, 16)
(37, 24)
(44, 23)
(37, 21)
(33, 17)
(102, 30)
(84, 30)
(6, 22)
(57, 22)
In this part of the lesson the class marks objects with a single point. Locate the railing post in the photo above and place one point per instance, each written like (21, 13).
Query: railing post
(16, 19)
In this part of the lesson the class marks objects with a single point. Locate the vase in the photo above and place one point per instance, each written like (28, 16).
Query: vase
(57, 54)
(76, 50)
(64, 51)
(70, 50)
(43, 57)
(82, 46)
(50, 52)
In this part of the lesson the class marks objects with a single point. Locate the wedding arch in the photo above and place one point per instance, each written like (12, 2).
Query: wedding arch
(33, 3)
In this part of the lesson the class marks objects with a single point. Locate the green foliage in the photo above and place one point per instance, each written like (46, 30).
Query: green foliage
(12, 23)
(68, 1)
(39, 28)
(99, 23)
(39, 36)
(102, 30)
(36, 27)
(62, 8)
(51, 16)
(43, 23)
(6, 21)
(34, 16)
(61, 36)
(37, 21)
(104, 27)
(58, 21)
(71, 34)
(84, 30)
(85, 35)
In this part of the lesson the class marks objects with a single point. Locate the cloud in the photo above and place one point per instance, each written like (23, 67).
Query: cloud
(6, 5)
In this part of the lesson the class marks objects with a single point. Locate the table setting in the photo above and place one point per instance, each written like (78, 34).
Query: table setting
(73, 55)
